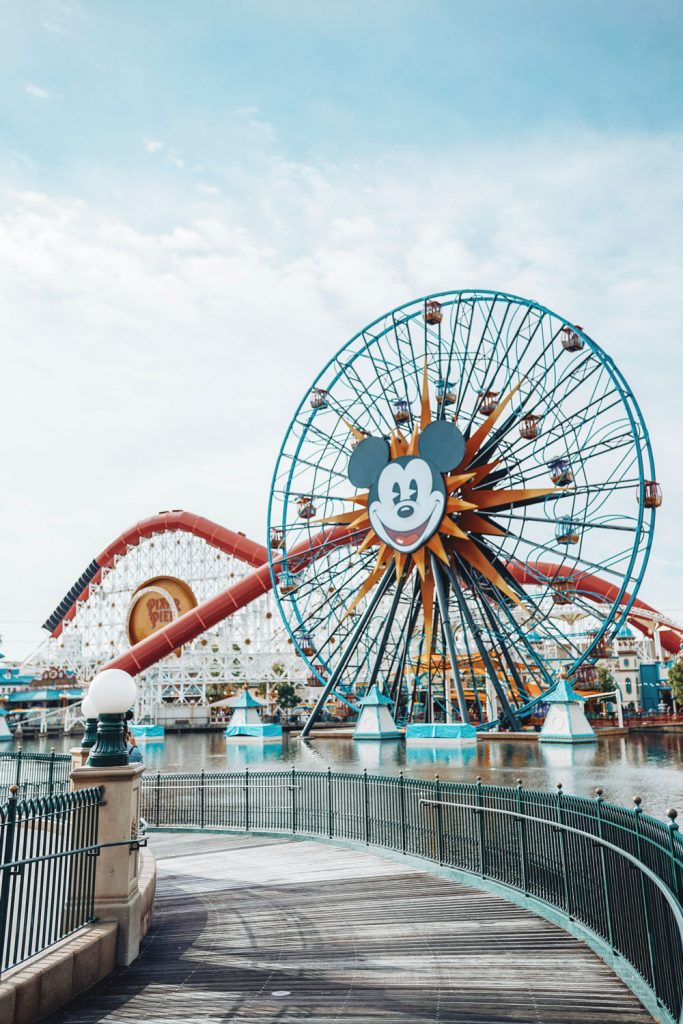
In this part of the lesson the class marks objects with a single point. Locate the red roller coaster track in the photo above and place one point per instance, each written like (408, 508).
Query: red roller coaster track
(184, 629)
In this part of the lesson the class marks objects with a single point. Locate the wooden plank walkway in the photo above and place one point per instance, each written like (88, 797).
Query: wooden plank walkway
(249, 929)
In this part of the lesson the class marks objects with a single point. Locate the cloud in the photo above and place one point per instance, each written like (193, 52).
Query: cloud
(249, 116)
(38, 91)
(208, 190)
(59, 15)
(158, 367)
(175, 159)
(152, 145)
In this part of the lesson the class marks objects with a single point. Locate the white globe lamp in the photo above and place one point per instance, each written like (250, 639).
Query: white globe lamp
(90, 715)
(111, 693)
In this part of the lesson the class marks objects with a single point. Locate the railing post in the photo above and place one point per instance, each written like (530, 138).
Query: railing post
(247, 809)
(7, 858)
(603, 870)
(522, 838)
(17, 777)
(202, 783)
(158, 800)
(479, 814)
(293, 799)
(439, 821)
(672, 814)
(51, 772)
(402, 802)
(330, 812)
(366, 805)
(643, 892)
(563, 851)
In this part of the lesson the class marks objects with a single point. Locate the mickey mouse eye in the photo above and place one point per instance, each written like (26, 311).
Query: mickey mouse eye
(396, 493)
(413, 490)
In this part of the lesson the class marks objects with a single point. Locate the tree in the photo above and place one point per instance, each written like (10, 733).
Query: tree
(675, 676)
(287, 697)
(606, 681)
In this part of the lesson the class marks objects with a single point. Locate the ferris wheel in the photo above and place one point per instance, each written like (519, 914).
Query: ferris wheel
(460, 470)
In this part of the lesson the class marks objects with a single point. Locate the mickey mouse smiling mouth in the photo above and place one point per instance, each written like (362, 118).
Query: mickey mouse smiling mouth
(407, 503)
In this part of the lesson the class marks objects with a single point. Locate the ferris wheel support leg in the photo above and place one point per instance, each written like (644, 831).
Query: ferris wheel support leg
(397, 687)
(386, 634)
(467, 616)
(350, 648)
(443, 611)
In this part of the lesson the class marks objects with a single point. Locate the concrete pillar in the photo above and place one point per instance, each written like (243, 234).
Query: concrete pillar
(117, 897)
(79, 755)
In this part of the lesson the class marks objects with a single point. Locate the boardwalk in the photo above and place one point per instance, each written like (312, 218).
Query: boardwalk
(250, 930)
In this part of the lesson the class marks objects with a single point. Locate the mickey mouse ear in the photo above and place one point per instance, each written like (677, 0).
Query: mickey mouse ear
(443, 445)
(367, 461)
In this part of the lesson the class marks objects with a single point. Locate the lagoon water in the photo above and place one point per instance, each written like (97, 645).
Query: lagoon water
(644, 764)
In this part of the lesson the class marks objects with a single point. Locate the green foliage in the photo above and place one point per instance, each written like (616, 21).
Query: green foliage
(605, 680)
(675, 676)
(287, 697)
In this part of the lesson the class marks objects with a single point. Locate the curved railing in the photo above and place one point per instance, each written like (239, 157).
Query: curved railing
(611, 875)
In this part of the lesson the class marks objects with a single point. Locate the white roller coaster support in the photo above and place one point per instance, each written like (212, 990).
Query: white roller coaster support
(250, 647)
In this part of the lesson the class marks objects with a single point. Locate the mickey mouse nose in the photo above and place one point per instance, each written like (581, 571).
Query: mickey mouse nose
(404, 511)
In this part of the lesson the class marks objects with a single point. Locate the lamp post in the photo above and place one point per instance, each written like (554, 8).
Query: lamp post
(88, 709)
(111, 693)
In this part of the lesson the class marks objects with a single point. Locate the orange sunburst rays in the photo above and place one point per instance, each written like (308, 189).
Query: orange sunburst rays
(460, 522)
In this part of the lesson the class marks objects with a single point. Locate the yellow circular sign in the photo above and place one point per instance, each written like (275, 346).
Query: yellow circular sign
(156, 603)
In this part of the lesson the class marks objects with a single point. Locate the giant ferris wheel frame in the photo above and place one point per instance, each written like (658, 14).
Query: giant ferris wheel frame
(352, 397)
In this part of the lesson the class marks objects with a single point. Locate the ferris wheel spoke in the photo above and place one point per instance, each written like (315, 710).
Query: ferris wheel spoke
(464, 387)
(384, 425)
(585, 523)
(456, 323)
(538, 546)
(504, 358)
(412, 363)
(389, 375)
(544, 434)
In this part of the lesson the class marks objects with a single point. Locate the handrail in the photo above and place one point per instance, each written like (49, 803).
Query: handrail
(557, 826)
(48, 847)
(619, 890)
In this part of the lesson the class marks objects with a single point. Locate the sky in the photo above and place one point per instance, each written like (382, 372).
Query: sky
(200, 202)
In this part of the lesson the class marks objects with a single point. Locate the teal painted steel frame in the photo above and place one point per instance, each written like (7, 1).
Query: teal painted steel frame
(619, 612)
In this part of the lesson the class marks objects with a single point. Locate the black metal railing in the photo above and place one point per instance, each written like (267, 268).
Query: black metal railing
(34, 774)
(48, 851)
(617, 873)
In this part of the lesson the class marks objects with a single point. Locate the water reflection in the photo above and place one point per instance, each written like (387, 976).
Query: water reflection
(239, 755)
(438, 757)
(567, 755)
(643, 764)
(379, 756)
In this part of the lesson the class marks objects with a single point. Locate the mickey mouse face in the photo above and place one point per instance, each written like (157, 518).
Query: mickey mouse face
(407, 503)
(407, 496)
